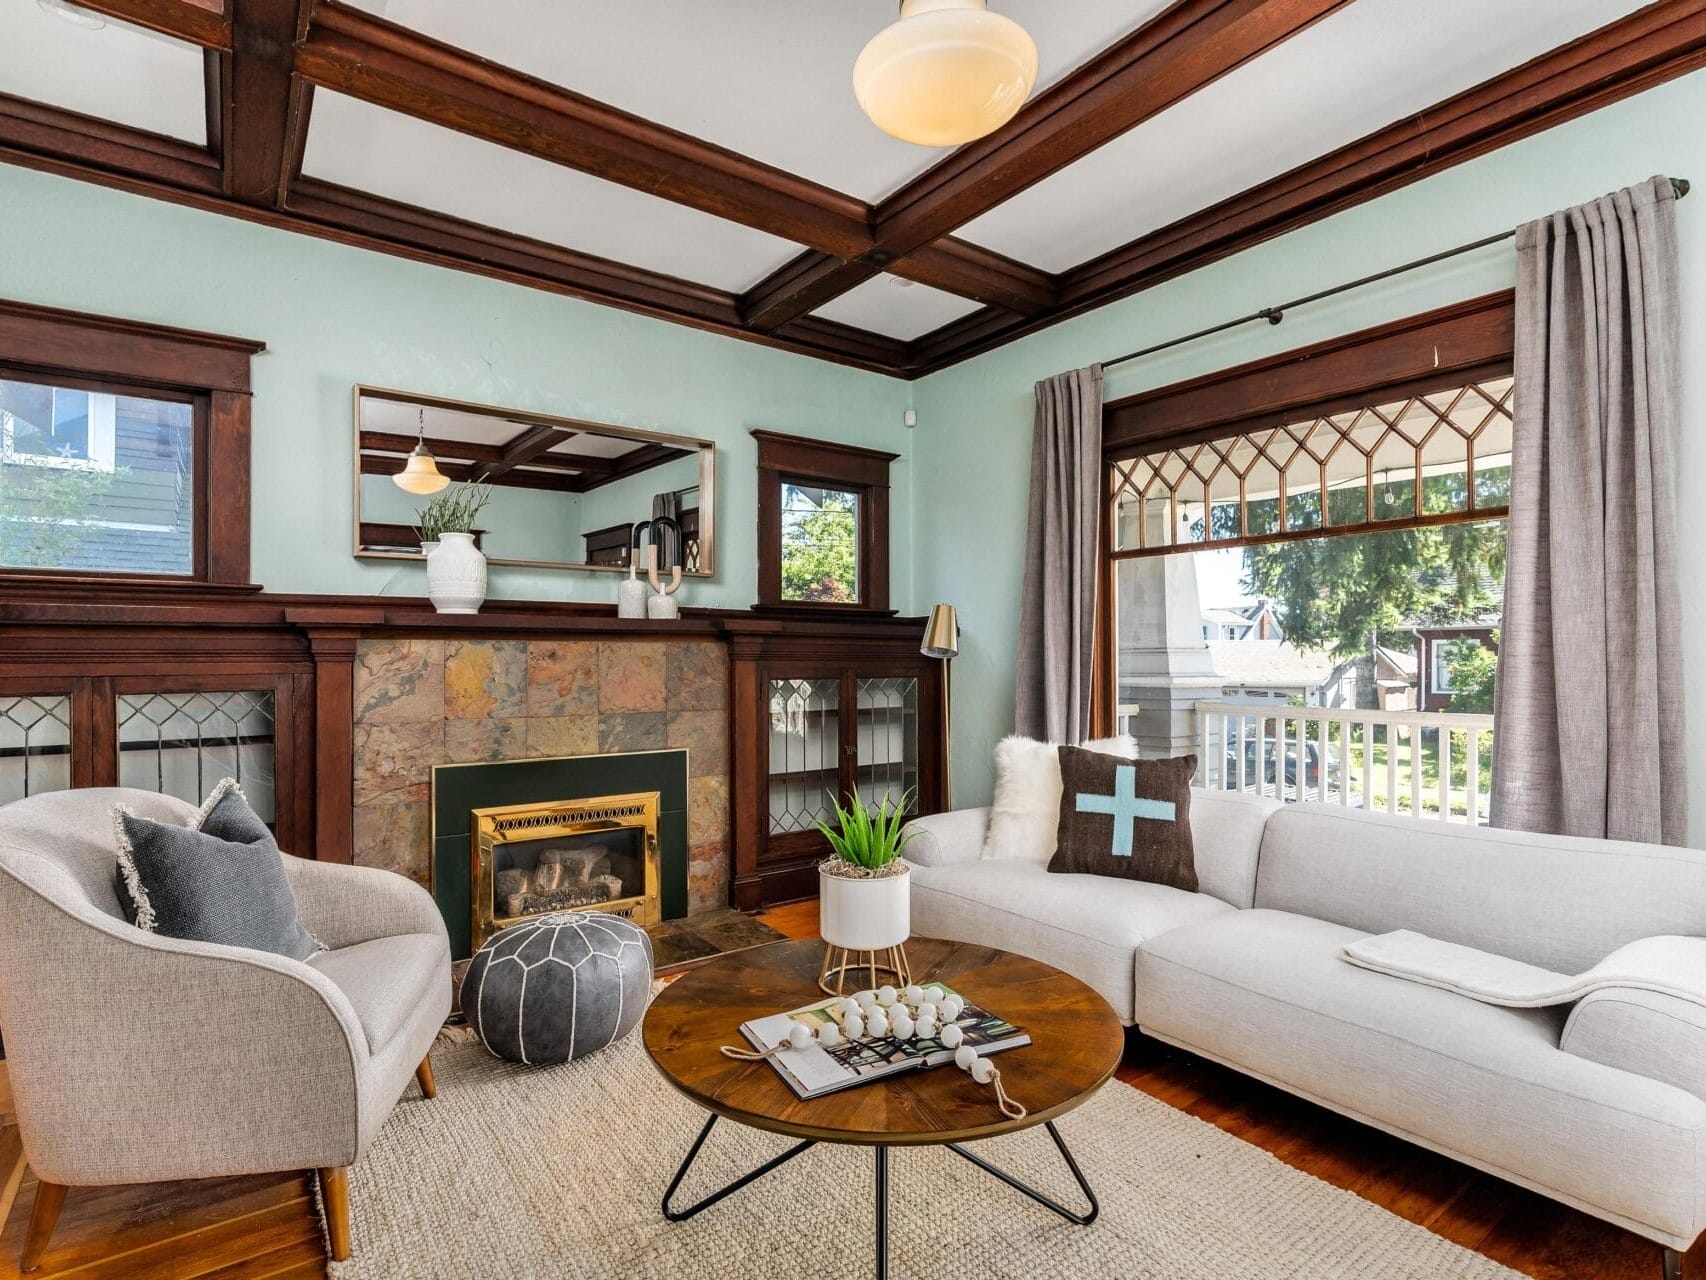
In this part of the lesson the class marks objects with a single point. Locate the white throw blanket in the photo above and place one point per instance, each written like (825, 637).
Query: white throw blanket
(1671, 965)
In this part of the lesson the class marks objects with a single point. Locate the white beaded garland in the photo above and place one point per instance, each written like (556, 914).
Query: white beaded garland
(917, 1013)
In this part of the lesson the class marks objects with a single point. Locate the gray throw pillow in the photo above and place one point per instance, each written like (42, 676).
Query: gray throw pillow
(220, 879)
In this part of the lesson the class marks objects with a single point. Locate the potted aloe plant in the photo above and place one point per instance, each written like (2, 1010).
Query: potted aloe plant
(864, 889)
(456, 568)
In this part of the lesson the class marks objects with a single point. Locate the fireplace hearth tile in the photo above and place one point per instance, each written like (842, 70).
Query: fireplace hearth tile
(705, 737)
(485, 679)
(643, 732)
(630, 677)
(394, 836)
(696, 677)
(394, 761)
(399, 681)
(467, 741)
(562, 678)
(562, 735)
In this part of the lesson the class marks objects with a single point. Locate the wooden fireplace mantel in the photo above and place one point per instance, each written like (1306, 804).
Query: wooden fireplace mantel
(89, 642)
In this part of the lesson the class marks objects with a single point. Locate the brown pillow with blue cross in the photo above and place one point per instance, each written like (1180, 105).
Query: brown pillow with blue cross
(1129, 818)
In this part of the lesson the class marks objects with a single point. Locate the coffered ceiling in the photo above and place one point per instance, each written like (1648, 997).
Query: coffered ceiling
(708, 164)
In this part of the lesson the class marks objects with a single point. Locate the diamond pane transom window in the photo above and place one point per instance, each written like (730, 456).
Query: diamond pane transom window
(1417, 460)
(805, 753)
(35, 745)
(182, 744)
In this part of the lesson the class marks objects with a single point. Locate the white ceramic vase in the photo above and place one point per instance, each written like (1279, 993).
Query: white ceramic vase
(456, 574)
(865, 915)
(661, 606)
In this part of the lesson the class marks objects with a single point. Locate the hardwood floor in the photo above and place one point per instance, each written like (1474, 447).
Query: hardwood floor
(265, 1228)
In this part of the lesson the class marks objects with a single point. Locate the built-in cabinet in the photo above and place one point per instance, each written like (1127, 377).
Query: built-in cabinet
(820, 715)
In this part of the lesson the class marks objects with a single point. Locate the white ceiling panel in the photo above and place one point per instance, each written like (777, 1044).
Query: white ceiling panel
(1371, 63)
(896, 307)
(772, 79)
(104, 68)
(371, 149)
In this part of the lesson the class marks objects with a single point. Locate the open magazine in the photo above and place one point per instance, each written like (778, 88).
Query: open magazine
(814, 1071)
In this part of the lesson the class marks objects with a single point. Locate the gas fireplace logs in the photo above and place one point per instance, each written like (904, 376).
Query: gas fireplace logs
(562, 880)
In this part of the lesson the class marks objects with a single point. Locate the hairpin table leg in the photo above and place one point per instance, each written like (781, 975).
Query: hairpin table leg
(1081, 1219)
(681, 1215)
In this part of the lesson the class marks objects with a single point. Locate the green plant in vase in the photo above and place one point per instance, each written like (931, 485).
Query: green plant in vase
(868, 840)
(453, 511)
(456, 568)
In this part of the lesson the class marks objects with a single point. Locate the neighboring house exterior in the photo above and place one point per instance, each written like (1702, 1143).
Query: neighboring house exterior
(95, 480)
(1433, 644)
(1272, 670)
(1253, 621)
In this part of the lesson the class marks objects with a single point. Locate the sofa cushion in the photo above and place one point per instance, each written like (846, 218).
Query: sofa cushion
(1089, 926)
(1026, 808)
(386, 979)
(1651, 1033)
(1559, 902)
(1267, 991)
(1126, 818)
(219, 879)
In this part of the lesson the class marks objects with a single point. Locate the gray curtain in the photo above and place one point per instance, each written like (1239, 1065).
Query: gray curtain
(1057, 620)
(1589, 737)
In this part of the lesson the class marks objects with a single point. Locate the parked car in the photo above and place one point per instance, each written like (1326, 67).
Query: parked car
(1311, 771)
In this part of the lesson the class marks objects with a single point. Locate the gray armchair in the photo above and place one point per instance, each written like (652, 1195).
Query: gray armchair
(140, 1058)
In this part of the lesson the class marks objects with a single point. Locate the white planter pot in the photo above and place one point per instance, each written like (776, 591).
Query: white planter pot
(456, 574)
(865, 915)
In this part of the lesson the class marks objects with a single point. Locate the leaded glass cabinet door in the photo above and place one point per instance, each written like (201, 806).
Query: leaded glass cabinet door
(886, 742)
(806, 757)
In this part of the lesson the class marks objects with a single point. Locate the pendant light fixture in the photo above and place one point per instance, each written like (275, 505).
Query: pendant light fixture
(947, 72)
(420, 474)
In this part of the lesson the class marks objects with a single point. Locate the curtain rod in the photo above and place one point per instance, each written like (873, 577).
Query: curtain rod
(1273, 315)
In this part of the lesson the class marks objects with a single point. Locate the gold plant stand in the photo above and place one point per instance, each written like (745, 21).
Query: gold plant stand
(838, 962)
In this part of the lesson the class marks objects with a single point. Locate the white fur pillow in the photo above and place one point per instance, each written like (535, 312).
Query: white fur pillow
(1025, 814)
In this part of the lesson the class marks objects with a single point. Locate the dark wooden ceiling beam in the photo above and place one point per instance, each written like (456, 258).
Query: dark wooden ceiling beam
(520, 450)
(60, 141)
(389, 66)
(1189, 45)
(264, 105)
(206, 24)
(1646, 48)
(465, 472)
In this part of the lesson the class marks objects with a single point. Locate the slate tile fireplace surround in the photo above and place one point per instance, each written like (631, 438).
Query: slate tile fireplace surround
(421, 702)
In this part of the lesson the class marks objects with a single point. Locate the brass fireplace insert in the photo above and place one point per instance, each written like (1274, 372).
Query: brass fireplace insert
(596, 854)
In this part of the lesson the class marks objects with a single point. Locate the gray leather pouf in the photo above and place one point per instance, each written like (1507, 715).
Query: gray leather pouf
(559, 987)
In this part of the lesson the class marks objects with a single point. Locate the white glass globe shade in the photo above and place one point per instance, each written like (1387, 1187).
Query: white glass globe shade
(420, 474)
(947, 72)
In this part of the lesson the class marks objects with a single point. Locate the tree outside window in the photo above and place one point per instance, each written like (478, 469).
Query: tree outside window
(820, 545)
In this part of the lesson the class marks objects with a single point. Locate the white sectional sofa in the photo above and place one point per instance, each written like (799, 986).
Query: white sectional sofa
(1601, 1105)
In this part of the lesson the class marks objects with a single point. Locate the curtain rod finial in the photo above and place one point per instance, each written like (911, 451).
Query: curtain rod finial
(1682, 186)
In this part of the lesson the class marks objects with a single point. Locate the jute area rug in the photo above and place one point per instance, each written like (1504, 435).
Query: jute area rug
(536, 1173)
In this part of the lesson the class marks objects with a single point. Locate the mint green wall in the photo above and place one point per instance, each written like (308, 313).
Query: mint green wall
(970, 536)
(333, 316)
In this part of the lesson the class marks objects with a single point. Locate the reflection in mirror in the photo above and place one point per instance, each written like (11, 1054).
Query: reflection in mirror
(564, 493)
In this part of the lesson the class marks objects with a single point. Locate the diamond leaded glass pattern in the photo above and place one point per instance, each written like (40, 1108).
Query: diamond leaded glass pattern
(182, 744)
(35, 745)
(888, 739)
(805, 753)
(1436, 456)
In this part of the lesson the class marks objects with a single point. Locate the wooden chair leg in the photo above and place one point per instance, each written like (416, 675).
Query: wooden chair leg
(423, 1077)
(49, 1197)
(334, 1192)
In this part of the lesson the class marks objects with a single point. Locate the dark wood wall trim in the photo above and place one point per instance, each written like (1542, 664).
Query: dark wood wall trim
(1649, 47)
(1440, 346)
(783, 459)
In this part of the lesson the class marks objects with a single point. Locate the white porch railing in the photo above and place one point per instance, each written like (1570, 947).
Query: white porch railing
(1426, 765)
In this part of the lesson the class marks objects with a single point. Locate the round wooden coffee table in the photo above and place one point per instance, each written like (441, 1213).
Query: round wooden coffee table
(1076, 1044)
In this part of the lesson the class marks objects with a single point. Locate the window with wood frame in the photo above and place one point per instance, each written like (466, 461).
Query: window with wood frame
(124, 450)
(1404, 426)
(823, 524)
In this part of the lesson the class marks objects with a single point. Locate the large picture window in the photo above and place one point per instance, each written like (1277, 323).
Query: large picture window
(124, 450)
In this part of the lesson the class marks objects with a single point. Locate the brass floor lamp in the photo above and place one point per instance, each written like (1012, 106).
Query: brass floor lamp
(942, 640)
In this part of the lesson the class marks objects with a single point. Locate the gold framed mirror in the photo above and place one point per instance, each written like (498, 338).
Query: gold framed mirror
(566, 494)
